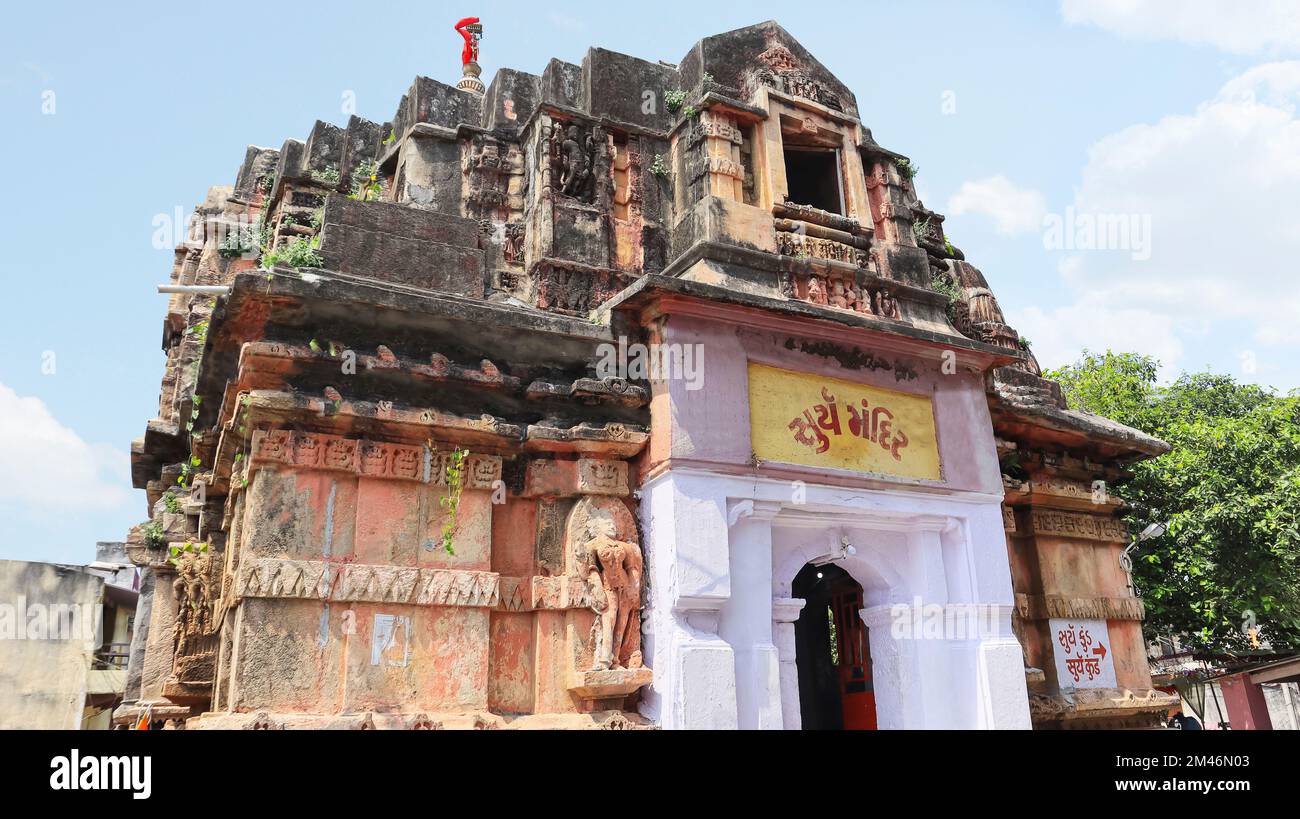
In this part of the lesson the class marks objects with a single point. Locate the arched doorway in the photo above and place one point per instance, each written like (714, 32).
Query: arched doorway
(832, 652)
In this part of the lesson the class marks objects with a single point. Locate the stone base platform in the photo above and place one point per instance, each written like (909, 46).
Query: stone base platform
(482, 720)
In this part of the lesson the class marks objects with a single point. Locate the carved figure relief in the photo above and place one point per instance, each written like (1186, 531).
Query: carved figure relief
(614, 576)
(603, 550)
(576, 155)
(193, 633)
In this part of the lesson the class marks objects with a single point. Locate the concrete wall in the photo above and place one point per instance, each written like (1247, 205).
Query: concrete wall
(43, 680)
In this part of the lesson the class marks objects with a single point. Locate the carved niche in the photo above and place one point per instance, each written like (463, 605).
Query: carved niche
(488, 166)
(572, 151)
(603, 550)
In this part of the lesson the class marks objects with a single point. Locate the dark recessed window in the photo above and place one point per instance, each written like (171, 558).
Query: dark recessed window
(813, 178)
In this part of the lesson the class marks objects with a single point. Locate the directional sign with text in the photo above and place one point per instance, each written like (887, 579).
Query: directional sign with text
(1082, 652)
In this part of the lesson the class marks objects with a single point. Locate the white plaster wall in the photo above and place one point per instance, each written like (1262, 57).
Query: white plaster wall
(721, 548)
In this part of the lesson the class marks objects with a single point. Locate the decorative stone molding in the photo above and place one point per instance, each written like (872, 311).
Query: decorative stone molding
(544, 592)
(1043, 607)
(1097, 703)
(1077, 525)
(362, 583)
(585, 476)
(371, 459)
(726, 167)
(718, 128)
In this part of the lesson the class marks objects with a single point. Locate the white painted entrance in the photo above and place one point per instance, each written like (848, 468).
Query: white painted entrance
(722, 554)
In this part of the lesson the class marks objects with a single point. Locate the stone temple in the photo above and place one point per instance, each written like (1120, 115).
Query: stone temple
(626, 395)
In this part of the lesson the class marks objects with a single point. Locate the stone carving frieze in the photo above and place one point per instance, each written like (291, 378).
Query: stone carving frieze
(373, 459)
(363, 583)
(1077, 525)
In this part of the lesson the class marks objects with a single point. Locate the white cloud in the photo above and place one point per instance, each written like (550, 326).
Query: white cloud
(45, 466)
(1237, 26)
(1219, 186)
(1012, 209)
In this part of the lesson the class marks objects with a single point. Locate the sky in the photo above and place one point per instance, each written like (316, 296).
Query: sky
(1171, 122)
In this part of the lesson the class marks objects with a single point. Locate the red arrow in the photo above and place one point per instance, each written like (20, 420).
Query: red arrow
(1100, 649)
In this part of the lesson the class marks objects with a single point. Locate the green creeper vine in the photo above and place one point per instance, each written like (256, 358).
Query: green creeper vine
(451, 502)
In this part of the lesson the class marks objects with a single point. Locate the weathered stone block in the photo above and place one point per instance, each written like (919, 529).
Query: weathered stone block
(413, 247)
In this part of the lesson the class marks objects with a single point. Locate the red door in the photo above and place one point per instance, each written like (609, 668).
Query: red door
(857, 695)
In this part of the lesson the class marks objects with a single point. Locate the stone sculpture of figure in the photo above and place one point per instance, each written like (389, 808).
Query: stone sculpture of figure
(614, 576)
(512, 249)
(575, 162)
(886, 305)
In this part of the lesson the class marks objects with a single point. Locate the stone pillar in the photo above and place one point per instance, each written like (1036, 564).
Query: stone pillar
(694, 668)
(158, 653)
(140, 635)
(746, 622)
(785, 613)
(896, 672)
(722, 140)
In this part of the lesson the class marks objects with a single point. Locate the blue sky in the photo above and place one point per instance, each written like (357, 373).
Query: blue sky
(1178, 113)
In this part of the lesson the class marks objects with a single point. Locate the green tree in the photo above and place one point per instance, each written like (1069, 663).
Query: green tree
(1229, 489)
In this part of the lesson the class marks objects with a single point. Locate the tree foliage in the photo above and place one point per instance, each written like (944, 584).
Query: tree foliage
(1229, 489)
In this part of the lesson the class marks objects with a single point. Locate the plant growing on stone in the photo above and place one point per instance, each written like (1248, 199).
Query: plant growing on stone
(674, 100)
(240, 242)
(907, 169)
(451, 501)
(187, 547)
(329, 176)
(298, 253)
(391, 138)
(172, 503)
(1023, 343)
(366, 183)
(659, 168)
(942, 283)
(153, 535)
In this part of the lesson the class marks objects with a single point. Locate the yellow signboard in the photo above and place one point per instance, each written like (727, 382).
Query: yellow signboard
(799, 418)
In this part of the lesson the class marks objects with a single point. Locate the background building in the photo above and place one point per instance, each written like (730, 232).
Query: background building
(65, 634)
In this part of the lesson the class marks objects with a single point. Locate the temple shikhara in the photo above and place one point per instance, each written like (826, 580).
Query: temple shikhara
(623, 395)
